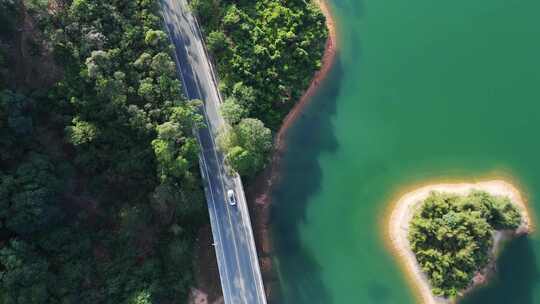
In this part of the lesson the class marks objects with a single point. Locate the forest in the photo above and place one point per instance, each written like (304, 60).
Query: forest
(451, 236)
(100, 190)
(266, 53)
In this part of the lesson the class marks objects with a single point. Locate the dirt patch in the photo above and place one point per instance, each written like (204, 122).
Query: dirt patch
(207, 288)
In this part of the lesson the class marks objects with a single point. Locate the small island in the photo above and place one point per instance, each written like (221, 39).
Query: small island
(447, 236)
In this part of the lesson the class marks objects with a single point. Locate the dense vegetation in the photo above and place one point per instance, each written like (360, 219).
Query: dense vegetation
(451, 236)
(247, 143)
(9, 13)
(266, 53)
(100, 196)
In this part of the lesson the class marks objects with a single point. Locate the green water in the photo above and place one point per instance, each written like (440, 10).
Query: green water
(422, 90)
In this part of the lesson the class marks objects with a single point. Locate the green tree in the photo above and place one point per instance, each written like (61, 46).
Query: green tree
(16, 113)
(162, 64)
(24, 275)
(231, 111)
(81, 132)
(170, 162)
(216, 42)
(175, 150)
(253, 135)
(244, 162)
(28, 198)
(246, 146)
(142, 297)
(155, 37)
(143, 62)
(147, 89)
(232, 17)
(269, 46)
(9, 14)
(98, 64)
(451, 236)
(244, 96)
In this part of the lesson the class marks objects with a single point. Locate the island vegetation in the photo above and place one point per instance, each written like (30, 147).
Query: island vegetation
(100, 191)
(266, 53)
(448, 236)
(452, 236)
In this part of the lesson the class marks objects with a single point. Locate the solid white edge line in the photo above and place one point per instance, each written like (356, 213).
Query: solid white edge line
(236, 179)
(219, 164)
(201, 157)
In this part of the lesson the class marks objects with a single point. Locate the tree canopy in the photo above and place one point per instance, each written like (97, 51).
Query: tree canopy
(272, 47)
(266, 52)
(100, 190)
(451, 236)
(9, 13)
(247, 144)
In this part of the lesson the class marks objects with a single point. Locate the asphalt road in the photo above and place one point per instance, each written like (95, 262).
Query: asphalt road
(238, 264)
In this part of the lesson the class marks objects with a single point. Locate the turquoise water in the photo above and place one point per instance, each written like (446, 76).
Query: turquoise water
(421, 91)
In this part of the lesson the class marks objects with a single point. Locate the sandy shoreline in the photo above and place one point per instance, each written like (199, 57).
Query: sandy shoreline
(403, 210)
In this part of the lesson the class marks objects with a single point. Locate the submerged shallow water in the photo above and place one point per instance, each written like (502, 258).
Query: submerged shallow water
(421, 91)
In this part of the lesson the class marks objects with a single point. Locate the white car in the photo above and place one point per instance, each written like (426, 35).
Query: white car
(231, 197)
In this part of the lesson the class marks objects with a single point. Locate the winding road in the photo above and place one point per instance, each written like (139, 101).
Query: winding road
(237, 259)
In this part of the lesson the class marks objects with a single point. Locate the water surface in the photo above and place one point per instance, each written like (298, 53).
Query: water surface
(422, 90)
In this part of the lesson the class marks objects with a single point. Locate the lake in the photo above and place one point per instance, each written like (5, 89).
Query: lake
(422, 91)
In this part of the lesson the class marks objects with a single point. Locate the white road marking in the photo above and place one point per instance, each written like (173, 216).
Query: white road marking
(235, 180)
(203, 162)
(244, 214)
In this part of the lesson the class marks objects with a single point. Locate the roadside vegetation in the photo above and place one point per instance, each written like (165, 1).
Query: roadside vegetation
(266, 52)
(452, 236)
(100, 193)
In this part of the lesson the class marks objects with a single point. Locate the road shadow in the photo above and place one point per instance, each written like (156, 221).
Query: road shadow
(516, 277)
(311, 135)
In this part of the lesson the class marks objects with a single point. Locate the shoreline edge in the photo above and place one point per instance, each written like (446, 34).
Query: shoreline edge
(259, 191)
(401, 210)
